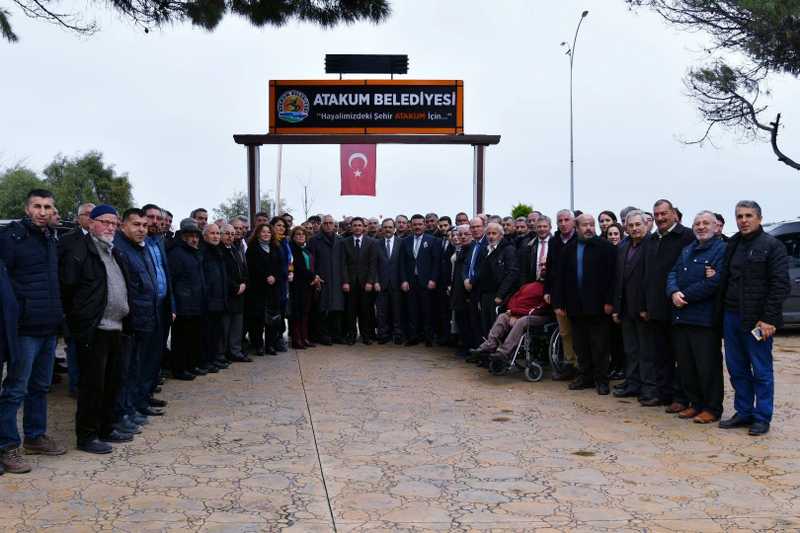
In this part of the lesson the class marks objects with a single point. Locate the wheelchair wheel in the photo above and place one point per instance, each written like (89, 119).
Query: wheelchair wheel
(556, 352)
(497, 367)
(534, 372)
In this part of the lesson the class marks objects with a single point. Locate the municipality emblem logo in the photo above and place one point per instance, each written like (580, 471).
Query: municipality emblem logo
(293, 106)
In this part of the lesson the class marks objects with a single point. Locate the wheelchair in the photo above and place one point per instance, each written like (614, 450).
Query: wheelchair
(539, 347)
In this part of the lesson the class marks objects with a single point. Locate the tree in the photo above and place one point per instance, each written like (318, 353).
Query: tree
(236, 205)
(74, 181)
(206, 14)
(15, 183)
(521, 210)
(765, 33)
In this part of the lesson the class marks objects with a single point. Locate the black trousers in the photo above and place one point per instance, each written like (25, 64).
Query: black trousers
(476, 335)
(488, 313)
(360, 309)
(420, 312)
(388, 306)
(101, 363)
(212, 342)
(187, 343)
(616, 347)
(590, 336)
(657, 364)
(699, 366)
(632, 332)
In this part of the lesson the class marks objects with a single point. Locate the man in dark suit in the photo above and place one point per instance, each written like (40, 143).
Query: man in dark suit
(565, 222)
(532, 255)
(627, 301)
(659, 385)
(442, 307)
(420, 258)
(359, 275)
(472, 260)
(584, 290)
(389, 301)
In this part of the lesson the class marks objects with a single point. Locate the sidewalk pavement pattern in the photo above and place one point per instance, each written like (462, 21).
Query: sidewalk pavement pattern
(387, 439)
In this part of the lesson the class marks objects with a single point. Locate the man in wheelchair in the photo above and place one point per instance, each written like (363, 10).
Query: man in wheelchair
(526, 308)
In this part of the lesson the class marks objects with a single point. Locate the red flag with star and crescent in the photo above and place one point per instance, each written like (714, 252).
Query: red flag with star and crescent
(358, 163)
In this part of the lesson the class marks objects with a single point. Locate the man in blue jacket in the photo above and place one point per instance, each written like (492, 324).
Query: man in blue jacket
(692, 286)
(134, 401)
(29, 251)
(419, 269)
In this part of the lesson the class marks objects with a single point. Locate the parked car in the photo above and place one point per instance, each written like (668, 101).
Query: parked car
(789, 234)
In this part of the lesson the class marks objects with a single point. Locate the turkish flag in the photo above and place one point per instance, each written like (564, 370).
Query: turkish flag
(358, 163)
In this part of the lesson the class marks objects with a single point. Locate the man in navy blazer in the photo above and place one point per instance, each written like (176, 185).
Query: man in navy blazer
(420, 257)
(389, 298)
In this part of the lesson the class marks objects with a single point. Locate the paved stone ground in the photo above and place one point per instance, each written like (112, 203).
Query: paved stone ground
(413, 440)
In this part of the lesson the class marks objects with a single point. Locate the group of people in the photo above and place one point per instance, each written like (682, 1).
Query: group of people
(647, 306)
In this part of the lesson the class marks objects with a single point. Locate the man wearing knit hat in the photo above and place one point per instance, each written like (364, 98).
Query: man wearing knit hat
(94, 291)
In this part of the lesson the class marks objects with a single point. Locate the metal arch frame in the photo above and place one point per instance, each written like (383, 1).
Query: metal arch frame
(253, 144)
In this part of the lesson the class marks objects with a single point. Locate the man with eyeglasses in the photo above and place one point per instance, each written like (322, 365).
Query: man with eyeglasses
(94, 280)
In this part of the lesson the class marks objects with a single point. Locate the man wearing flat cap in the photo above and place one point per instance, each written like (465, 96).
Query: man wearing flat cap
(95, 297)
(188, 284)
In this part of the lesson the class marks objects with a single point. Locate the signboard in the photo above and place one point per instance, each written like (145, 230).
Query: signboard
(366, 106)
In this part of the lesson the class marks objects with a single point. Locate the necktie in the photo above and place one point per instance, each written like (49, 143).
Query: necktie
(358, 244)
(388, 248)
(542, 255)
(416, 246)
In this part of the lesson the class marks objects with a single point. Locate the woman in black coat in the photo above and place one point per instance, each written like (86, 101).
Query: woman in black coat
(301, 289)
(262, 298)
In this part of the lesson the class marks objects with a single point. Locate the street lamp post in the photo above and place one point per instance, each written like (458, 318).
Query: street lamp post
(571, 54)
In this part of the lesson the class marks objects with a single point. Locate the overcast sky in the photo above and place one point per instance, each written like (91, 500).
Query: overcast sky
(163, 107)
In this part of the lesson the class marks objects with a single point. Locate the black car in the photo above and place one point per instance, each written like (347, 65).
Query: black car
(789, 234)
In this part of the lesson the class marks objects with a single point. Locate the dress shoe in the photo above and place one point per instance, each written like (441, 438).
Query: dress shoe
(139, 420)
(759, 428)
(567, 373)
(625, 393)
(281, 346)
(157, 402)
(297, 346)
(689, 412)
(95, 446)
(127, 427)
(736, 421)
(580, 384)
(151, 411)
(602, 389)
(366, 342)
(325, 341)
(429, 343)
(157, 390)
(259, 352)
(198, 371)
(269, 351)
(222, 363)
(705, 417)
(412, 342)
(211, 369)
(383, 340)
(620, 386)
(241, 359)
(116, 436)
(674, 408)
(349, 341)
(398, 340)
(184, 376)
(651, 402)
(309, 344)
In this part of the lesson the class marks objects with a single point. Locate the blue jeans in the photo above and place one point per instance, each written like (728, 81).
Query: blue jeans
(72, 364)
(28, 380)
(750, 367)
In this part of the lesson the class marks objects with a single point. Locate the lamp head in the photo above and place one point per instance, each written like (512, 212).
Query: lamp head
(583, 15)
